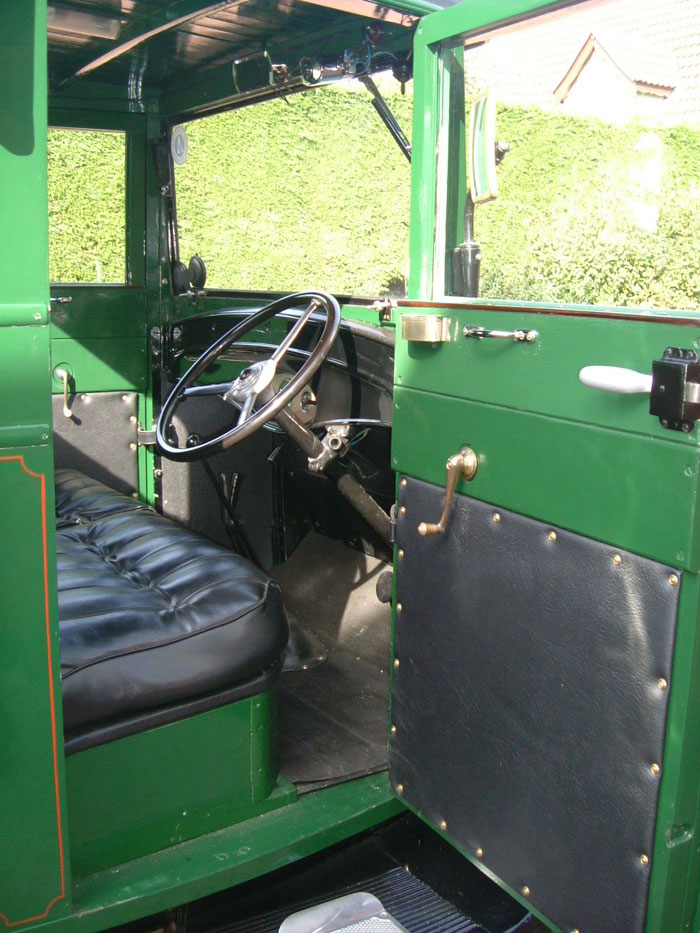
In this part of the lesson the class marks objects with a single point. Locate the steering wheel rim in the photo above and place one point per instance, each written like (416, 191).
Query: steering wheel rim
(256, 418)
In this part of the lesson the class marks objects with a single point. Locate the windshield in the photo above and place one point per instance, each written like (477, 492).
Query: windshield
(305, 191)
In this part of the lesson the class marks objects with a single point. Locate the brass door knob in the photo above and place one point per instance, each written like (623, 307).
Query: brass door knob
(459, 466)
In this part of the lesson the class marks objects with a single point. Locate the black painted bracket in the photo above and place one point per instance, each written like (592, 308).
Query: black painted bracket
(675, 389)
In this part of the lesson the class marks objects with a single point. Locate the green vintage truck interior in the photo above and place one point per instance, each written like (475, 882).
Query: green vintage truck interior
(209, 671)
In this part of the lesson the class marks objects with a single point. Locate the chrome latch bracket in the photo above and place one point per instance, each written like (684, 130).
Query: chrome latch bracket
(518, 336)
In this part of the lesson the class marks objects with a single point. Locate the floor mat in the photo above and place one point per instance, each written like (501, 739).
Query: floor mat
(411, 902)
(333, 718)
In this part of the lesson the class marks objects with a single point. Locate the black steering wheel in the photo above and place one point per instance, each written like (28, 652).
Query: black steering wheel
(254, 382)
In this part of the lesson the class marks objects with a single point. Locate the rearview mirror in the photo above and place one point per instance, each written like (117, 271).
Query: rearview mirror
(483, 183)
(252, 73)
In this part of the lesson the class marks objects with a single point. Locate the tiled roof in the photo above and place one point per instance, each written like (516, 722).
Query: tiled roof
(651, 41)
(641, 58)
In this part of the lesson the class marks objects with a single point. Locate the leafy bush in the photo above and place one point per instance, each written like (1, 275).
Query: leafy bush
(313, 192)
(591, 213)
(87, 237)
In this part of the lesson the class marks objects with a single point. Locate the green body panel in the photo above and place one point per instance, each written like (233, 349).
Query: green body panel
(174, 782)
(26, 372)
(99, 311)
(32, 828)
(32, 804)
(581, 477)
(230, 856)
(543, 376)
(102, 364)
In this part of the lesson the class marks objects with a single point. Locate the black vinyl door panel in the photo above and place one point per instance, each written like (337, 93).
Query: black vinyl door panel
(529, 703)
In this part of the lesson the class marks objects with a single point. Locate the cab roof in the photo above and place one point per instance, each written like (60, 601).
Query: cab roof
(144, 50)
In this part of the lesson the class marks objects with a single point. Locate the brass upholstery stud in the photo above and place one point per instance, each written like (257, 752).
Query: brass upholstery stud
(644, 859)
(525, 890)
(404, 482)
(402, 510)
(399, 788)
(673, 579)
(662, 683)
(552, 536)
(496, 517)
(617, 560)
(575, 931)
(399, 607)
(125, 398)
(655, 769)
(479, 853)
(443, 825)
(393, 730)
(400, 553)
(396, 662)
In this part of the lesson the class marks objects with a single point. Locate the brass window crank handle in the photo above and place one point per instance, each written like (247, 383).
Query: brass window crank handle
(459, 466)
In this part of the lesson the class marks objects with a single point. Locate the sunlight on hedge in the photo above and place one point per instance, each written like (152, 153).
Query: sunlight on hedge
(314, 193)
(87, 176)
(309, 193)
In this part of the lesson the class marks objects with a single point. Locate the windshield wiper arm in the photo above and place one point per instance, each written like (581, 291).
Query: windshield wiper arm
(388, 118)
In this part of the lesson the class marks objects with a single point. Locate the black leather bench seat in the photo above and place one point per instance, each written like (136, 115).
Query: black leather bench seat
(151, 614)
(82, 499)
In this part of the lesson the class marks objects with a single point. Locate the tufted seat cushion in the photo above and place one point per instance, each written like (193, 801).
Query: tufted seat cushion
(82, 499)
(151, 614)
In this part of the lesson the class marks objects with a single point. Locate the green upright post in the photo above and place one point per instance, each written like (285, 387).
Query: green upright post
(34, 870)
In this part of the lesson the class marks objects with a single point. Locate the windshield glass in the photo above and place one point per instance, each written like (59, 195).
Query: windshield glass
(308, 191)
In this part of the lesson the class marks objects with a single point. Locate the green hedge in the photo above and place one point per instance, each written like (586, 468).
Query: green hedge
(86, 206)
(593, 213)
(312, 192)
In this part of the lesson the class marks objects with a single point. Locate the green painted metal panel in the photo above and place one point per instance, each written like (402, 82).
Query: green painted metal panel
(34, 862)
(230, 856)
(98, 311)
(543, 376)
(158, 788)
(675, 854)
(102, 365)
(32, 829)
(637, 493)
(25, 375)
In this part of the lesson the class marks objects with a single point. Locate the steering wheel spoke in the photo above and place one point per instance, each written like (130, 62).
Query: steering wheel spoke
(254, 382)
(218, 388)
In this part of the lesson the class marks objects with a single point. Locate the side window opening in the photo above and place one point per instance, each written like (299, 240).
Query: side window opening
(87, 206)
(598, 199)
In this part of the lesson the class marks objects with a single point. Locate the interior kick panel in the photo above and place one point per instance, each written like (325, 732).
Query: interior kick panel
(99, 438)
(530, 690)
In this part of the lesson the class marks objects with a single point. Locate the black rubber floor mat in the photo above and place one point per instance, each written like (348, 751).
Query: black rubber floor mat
(333, 718)
(333, 721)
(406, 898)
